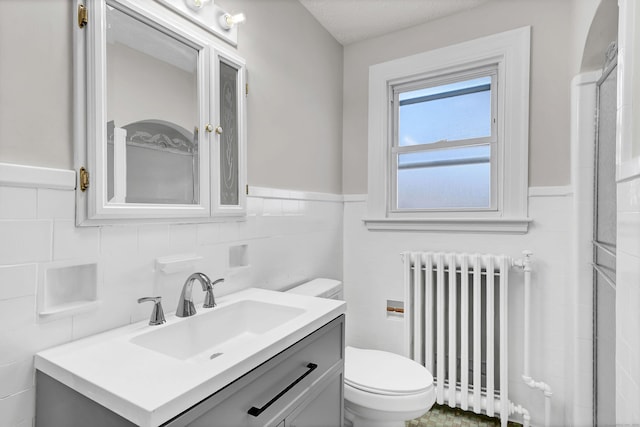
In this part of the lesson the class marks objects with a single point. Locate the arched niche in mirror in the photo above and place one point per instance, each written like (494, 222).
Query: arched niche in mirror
(152, 161)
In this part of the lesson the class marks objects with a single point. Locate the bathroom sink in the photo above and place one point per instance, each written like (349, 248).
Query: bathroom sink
(148, 374)
(212, 332)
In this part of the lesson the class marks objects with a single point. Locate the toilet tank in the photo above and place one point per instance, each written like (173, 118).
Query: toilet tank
(323, 288)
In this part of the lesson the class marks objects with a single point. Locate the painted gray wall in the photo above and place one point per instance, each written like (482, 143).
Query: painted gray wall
(295, 104)
(36, 83)
(141, 87)
(550, 77)
(595, 25)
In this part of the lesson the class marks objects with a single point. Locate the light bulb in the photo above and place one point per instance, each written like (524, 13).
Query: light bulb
(196, 4)
(228, 21)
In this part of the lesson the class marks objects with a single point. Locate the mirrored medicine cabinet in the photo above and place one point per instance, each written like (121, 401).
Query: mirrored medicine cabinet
(160, 117)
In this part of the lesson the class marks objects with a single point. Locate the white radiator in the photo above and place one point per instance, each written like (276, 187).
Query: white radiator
(456, 326)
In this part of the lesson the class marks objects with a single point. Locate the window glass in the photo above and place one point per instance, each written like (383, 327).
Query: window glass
(229, 187)
(450, 112)
(458, 178)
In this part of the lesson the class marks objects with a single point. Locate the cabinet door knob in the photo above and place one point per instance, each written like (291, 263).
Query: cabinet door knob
(219, 130)
(208, 128)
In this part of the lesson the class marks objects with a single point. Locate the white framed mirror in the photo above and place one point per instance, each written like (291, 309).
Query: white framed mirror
(148, 113)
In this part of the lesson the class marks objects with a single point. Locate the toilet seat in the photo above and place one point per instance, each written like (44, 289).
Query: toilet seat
(383, 389)
(381, 407)
(384, 373)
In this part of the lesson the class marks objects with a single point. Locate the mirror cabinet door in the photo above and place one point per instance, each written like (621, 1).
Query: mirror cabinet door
(147, 101)
(230, 134)
(152, 114)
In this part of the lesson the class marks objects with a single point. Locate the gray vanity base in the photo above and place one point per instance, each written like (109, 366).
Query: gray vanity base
(315, 399)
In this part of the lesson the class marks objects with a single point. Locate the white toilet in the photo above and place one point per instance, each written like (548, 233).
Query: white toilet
(381, 389)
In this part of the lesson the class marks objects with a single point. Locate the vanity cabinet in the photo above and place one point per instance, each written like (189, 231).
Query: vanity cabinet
(301, 386)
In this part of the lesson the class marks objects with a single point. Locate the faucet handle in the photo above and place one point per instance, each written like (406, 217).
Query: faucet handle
(209, 299)
(157, 315)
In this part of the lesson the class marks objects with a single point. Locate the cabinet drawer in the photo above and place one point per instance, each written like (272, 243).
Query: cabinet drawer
(319, 410)
(277, 386)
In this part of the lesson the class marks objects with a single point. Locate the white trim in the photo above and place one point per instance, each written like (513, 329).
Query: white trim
(587, 78)
(354, 198)
(468, 225)
(511, 51)
(579, 324)
(551, 191)
(278, 193)
(12, 175)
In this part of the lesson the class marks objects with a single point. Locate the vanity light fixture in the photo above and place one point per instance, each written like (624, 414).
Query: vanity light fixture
(208, 15)
(228, 21)
(197, 4)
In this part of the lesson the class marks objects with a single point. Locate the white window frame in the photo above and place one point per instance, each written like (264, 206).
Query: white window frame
(509, 52)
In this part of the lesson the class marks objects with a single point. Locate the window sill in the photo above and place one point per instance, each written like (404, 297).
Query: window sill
(461, 225)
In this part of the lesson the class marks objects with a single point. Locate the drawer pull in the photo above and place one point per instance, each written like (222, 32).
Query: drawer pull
(257, 411)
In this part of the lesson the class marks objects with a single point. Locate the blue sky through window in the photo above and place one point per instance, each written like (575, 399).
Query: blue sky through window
(450, 118)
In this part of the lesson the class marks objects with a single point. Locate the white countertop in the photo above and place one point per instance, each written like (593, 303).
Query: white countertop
(147, 387)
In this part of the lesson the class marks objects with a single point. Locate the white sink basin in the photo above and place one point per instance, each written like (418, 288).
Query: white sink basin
(217, 330)
(148, 374)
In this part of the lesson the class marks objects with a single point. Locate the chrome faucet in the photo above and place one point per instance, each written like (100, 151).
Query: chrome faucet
(186, 307)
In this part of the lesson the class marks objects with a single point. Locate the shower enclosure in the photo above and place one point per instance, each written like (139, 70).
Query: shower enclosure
(604, 246)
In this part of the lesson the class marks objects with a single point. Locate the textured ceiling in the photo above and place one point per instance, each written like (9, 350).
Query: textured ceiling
(354, 20)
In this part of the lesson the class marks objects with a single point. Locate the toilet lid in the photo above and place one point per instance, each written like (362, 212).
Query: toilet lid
(386, 373)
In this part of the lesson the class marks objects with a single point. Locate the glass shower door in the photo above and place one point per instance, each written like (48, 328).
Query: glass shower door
(604, 247)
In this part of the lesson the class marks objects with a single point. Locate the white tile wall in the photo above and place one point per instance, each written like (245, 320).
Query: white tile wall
(373, 274)
(25, 241)
(56, 204)
(17, 409)
(18, 376)
(18, 203)
(17, 281)
(628, 221)
(627, 304)
(289, 241)
(70, 241)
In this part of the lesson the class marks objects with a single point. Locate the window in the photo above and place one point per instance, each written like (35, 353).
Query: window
(445, 143)
(448, 137)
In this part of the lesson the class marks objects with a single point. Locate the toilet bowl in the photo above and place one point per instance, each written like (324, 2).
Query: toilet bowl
(381, 389)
